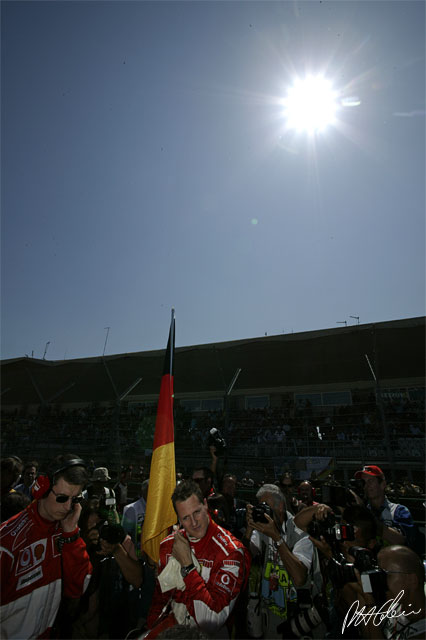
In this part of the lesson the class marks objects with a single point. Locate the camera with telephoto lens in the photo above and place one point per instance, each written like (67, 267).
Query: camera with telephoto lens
(341, 572)
(259, 511)
(373, 579)
(111, 533)
(357, 485)
(331, 530)
(309, 614)
(215, 439)
(336, 495)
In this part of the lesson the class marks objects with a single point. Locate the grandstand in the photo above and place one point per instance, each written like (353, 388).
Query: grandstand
(331, 399)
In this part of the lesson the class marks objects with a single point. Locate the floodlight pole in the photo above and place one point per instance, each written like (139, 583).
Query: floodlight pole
(126, 393)
(226, 398)
(379, 404)
(106, 339)
(45, 350)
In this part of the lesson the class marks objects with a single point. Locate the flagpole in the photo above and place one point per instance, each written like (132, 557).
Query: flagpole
(172, 339)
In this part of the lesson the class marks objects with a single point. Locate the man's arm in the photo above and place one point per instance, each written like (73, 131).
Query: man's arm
(295, 567)
(389, 534)
(303, 518)
(404, 530)
(211, 603)
(77, 568)
(126, 559)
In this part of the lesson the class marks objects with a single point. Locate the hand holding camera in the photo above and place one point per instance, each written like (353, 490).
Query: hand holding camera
(216, 440)
(322, 545)
(110, 536)
(260, 518)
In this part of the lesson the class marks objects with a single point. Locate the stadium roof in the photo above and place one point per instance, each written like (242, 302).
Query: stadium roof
(396, 350)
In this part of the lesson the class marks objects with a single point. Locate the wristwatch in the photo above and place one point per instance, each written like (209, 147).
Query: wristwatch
(278, 543)
(185, 570)
(61, 540)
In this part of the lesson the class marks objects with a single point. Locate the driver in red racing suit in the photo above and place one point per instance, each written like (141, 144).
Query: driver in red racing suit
(211, 570)
(42, 557)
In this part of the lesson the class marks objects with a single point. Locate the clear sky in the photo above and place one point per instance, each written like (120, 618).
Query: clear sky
(147, 164)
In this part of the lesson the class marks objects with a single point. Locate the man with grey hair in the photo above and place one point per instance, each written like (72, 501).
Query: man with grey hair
(287, 556)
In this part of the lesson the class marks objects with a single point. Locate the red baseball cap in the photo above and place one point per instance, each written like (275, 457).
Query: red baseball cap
(370, 470)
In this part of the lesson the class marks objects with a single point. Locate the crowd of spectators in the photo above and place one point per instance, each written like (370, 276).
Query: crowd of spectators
(317, 551)
(294, 429)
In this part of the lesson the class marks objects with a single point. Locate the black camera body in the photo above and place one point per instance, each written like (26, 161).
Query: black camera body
(357, 485)
(336, 495)
(111, 533)
(340, 572)
(215, 439)
(331, 530)
(259, 511)
(373, 579)
(364, 560)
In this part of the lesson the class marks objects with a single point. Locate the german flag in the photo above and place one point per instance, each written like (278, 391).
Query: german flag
(160, 515)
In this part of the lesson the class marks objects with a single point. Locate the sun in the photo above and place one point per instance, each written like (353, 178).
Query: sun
(310, 104)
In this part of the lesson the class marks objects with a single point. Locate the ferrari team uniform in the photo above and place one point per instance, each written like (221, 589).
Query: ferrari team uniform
(39, 563)
(208, 594)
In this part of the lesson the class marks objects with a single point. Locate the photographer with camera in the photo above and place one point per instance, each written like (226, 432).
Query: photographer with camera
(110, 607)
(346, 539)
(289, 564)
(98, 489)
(390, 600)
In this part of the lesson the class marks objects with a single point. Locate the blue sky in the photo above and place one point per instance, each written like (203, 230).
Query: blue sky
(146, 164)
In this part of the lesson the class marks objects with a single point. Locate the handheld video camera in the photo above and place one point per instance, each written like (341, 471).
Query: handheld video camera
(215, 439)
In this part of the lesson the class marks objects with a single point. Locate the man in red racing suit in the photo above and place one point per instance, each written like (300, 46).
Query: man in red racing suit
(206, 567)
(42, 557)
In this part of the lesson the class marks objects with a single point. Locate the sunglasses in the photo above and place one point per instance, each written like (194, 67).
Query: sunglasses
(62, 498)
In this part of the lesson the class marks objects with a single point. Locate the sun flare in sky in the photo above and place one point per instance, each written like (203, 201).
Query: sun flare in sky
(310, 104)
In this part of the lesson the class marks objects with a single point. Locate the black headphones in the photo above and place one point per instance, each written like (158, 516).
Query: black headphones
(44, 481)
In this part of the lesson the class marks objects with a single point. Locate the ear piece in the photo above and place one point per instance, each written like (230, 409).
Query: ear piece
(41, 486)
(44, 481)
